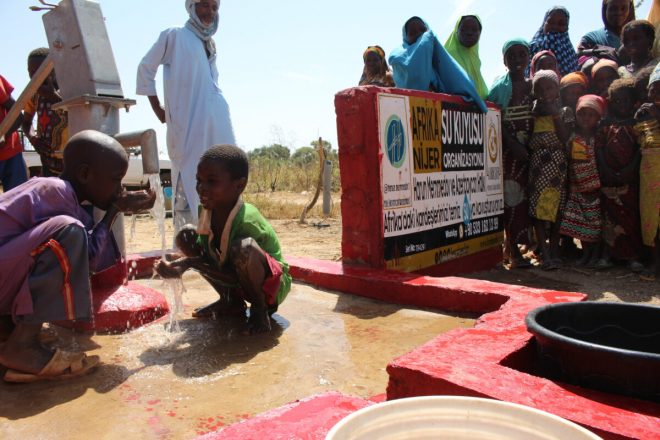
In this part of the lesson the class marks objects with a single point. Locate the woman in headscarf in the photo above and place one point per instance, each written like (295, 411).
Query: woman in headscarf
(195, 111)
(615, 14)
(513, 93)
(422, 63)
(463, 46)
(553, 36)
(375, 72)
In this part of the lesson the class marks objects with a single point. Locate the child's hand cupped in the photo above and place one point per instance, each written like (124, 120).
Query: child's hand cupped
(135, 201)
(167, 270)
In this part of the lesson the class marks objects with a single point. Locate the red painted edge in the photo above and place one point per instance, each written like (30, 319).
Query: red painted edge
(469, 362)
(309, 418)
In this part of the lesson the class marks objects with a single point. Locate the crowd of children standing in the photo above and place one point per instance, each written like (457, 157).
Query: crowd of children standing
(580, 131)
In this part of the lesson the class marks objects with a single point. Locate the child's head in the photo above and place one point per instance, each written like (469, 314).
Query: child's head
(413, 29)
(545, 86)
(602, 74)
(621, 98)
(374, 60)
(516, 55)
(654, 86)
(616, 13)
(469, 30)
(556, 20)
(186, 241)
(638, 37)
(543, 60)
(589, 111)
(34, 61)
(222, 175)
(35, 58)
(571, 87)
(95, 164)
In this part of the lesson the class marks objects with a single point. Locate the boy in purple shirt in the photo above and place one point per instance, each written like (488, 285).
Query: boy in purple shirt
(48, 247)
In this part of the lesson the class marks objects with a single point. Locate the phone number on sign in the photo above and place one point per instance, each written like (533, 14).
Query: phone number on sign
(482, 226)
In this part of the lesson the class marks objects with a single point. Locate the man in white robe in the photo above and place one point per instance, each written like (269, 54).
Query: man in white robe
(196, 113)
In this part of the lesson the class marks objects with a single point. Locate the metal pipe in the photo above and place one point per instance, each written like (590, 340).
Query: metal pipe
(146, 140)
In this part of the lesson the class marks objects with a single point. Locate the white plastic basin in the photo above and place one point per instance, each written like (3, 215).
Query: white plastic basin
(456, 418)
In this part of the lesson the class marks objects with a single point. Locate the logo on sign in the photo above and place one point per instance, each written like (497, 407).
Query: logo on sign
(467, 210)
(492, 142)
(395, 141)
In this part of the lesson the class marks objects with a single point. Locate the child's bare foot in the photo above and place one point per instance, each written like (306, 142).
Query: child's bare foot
(258, 322)
(221, 307)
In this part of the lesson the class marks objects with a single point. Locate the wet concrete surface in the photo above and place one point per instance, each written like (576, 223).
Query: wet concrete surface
(157, 384)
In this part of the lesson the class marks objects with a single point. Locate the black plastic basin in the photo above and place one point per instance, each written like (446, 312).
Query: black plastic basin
(613, 347)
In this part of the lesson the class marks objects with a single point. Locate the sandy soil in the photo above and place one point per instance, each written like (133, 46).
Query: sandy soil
(321, 238)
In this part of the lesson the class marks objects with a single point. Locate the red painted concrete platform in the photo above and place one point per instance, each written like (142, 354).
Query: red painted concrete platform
(119, 305)
(309, 419)
(494, 359)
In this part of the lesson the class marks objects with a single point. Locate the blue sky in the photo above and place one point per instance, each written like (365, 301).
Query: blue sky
(281, 62)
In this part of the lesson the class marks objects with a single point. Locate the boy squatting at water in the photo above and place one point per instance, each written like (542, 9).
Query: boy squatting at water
(49, 245)
(234, 247)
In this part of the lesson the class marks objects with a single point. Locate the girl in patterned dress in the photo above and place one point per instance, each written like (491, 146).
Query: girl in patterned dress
(649, 174)
(513, 92)
(548, 167)
(617, 153)
(581, 218)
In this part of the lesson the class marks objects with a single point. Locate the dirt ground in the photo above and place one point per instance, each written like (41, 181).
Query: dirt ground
(321, 238)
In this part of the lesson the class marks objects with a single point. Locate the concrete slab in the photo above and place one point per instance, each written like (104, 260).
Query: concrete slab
(157, 385)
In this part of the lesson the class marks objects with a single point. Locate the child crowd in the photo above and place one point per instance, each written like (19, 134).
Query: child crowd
(580, 131)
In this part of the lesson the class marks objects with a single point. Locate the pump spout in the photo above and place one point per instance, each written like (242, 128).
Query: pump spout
(146, 140)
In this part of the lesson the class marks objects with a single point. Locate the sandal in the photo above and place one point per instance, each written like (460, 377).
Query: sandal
(647, 275)
(63, 365)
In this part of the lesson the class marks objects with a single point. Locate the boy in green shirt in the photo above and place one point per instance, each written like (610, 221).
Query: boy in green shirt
(233, 247)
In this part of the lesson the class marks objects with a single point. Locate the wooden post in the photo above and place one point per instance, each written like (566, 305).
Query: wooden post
(319, 183)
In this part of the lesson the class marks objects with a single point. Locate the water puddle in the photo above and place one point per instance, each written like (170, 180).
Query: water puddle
(164, 381)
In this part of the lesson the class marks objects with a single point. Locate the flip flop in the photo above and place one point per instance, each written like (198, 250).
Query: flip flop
(62, 366)
(647, 275)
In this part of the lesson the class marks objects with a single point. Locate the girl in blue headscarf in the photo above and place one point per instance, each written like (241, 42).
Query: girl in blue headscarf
(553, 36)
(422, 63)
(513, 93)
